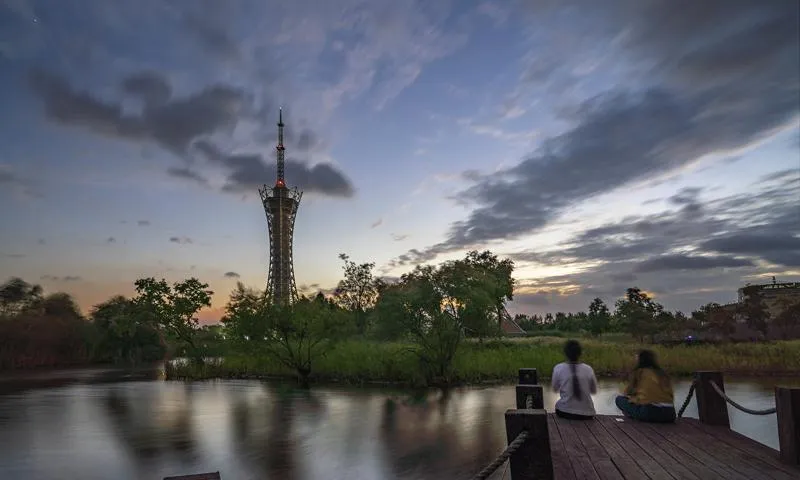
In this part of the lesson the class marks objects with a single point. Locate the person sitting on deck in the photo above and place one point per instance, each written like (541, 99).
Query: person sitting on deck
(648, 396)
(575, 383)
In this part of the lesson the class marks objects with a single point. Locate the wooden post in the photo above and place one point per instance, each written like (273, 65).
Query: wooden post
(535, 391)
(787, 404)
(532, 460)
(711, 407)
(528, 376)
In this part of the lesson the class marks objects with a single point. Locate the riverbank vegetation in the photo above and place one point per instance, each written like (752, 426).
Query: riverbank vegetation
(364, 362)
(434, 325)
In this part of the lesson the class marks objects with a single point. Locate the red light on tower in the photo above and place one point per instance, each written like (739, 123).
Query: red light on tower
(280, 183)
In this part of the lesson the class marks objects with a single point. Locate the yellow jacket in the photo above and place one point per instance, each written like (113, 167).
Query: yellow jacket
(647, 387)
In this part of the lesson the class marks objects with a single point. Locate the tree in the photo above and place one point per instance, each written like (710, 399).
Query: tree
(123, 333)
(16, 295)
(789, 318)
(754, 310)
(358, 291)
(599, 318)
(701, 317)
(173, 308)
(296, 335)
(500, 283)
(721, 320)
(431, 305)
(638, 314)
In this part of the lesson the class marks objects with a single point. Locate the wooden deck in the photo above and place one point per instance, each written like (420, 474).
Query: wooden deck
(611, 447)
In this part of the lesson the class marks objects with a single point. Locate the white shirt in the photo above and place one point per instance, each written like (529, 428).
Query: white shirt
(562, 383)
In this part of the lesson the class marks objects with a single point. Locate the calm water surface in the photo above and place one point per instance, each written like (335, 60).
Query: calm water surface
(92, 424)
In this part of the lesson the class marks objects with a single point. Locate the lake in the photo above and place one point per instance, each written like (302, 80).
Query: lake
(101, 424)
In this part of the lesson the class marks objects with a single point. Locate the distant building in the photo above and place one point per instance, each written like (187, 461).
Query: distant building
(776, 296)
(509, 326)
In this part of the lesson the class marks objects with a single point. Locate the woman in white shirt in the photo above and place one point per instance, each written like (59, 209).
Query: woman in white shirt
(575, 383)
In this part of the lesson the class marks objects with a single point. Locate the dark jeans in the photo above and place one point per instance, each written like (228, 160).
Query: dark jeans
(645, 413)
(572, 416)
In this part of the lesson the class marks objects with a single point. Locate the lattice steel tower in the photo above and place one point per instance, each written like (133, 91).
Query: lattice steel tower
(280, 204)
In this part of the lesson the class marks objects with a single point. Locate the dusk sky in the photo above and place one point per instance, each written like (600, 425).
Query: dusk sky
(600, 144)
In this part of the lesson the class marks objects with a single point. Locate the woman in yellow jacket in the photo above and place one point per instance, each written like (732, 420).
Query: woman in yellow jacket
(648, 396)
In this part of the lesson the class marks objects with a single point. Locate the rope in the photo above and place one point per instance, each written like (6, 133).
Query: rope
(688, 399)
(768, 411)
(501, 459)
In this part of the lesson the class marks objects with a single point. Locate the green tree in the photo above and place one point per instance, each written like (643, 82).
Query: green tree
(499, 280)
(296, 335)
(173, 309)
(789, 317)
(123, 333)
(701, 317)
(358, 291)
(16, 295)
(721, 320)
(638, 314)
(431, 305)
(599, 318)
(754, 310)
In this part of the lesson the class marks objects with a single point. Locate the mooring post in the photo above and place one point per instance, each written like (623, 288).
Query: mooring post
(532, 460)
(711, 407)
(787, 405)
(534, 392)
(528, 376)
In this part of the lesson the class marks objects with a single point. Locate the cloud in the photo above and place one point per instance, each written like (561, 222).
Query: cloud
(247, 172)
(399, 237)
(143, 223)
(376, 223)
(176, 124)
(685, 259)
(187, 173)
(709, 87)
(691, 262)
(66, 278)
(181, 240)
(13, 255)
(232, 275)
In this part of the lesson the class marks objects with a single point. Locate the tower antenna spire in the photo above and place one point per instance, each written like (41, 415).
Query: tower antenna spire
(281, 181)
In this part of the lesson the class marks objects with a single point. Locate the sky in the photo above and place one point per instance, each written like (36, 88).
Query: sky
(600, 145)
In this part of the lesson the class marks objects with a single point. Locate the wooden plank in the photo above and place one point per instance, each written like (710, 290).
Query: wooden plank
(681, 437)
(758, 454)
(575, 452)
(653, 434)
(603, 465)
(702, 440)
(624, 463)
(562, 468)
(641, 457)
(655, 449)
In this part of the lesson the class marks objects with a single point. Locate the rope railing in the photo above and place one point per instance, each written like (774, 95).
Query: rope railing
(688, 399)
(501, 459)
(768, 411)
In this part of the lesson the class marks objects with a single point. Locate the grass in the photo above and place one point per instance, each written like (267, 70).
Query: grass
(498, 361)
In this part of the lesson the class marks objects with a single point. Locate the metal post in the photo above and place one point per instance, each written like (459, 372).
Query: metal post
(532, 460)
(528, 376)
(787, 404)
(711, 407)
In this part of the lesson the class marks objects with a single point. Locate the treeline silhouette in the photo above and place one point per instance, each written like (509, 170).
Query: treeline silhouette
(433, 309)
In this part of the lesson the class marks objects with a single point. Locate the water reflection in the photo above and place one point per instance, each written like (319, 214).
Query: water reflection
(253, 430)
